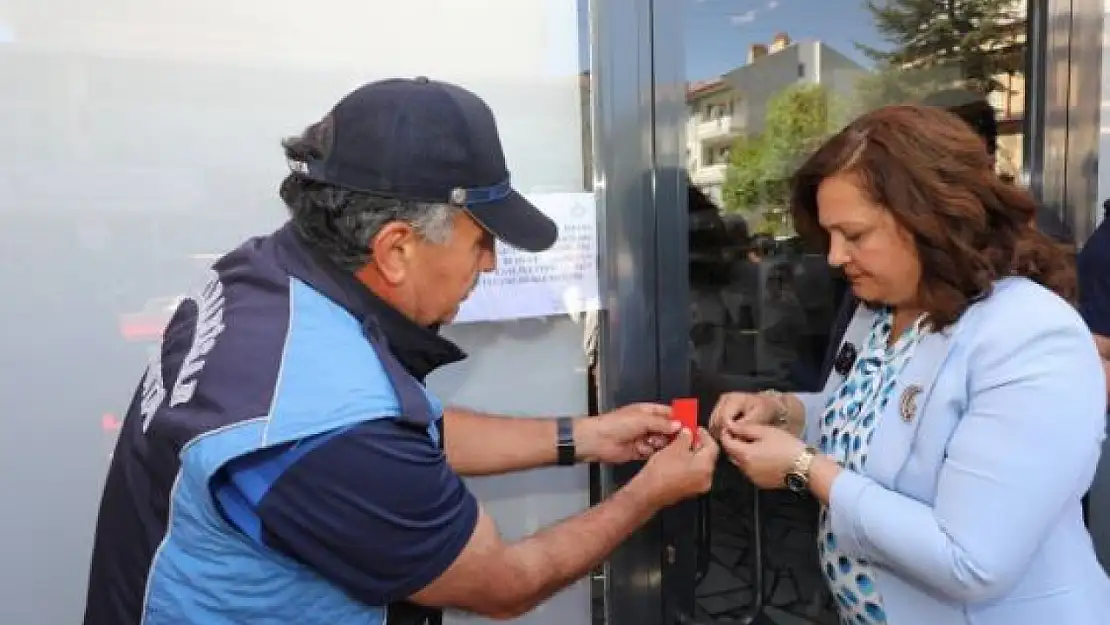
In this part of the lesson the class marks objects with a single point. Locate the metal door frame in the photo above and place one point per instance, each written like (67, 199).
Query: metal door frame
(638, 88)
(623, 160)
(1063, 106)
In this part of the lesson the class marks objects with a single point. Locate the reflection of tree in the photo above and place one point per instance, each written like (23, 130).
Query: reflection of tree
(887, 86)
(938, 44)
(756, 183)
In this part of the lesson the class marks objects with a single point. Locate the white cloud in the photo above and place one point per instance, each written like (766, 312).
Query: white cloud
(746, 17)
(772, 5)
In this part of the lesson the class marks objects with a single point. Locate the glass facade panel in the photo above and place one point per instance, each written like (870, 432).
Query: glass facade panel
(143, 142)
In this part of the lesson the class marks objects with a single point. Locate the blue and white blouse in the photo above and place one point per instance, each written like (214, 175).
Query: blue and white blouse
(847, 427)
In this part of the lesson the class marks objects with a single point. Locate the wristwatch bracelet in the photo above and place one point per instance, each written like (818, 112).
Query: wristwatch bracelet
(781, 418)
(797, 477)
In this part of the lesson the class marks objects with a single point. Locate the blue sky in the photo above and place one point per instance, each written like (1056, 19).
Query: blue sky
(718, 32)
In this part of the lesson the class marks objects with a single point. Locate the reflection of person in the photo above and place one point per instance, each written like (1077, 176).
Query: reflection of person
(975, 111)
(761, 247)
(288, 465)
(713, 318)
(975, 396)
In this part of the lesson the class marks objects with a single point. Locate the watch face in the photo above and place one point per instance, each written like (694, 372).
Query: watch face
(795, 482)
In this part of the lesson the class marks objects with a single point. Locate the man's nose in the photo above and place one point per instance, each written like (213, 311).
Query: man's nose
(488, 262)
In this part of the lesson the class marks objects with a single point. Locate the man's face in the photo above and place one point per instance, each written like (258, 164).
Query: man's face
(427, 280)
(444, 274)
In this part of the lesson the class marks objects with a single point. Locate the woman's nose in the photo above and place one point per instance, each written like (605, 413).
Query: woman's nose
(837, 256)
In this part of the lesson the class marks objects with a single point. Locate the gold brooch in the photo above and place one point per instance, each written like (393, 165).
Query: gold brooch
(908, 403)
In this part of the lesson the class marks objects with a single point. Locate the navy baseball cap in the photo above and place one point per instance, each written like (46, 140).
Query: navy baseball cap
(429, 141)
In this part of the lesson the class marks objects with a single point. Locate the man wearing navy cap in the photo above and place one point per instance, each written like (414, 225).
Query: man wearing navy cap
(282, 461)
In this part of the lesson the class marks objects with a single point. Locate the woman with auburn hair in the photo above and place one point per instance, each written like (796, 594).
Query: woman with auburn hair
(952, 444)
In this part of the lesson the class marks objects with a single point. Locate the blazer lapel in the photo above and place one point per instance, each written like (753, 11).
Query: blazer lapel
(855, 338)
(897, 429)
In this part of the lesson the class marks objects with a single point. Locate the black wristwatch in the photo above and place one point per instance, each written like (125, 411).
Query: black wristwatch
(567, 455)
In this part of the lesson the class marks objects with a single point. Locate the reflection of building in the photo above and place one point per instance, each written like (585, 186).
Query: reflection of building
(716, 118)
(1010, 102)
(1007, 48)
(1010, 105)
(725, 108)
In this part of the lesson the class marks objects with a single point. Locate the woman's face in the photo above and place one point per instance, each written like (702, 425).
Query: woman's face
(877, 255)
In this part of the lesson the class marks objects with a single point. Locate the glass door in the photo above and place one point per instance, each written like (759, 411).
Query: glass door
(766, 82)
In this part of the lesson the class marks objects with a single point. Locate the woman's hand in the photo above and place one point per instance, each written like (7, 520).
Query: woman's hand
(762, 452)
(746, 407)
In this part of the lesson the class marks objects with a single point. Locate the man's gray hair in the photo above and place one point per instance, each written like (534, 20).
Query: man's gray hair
(342, 223)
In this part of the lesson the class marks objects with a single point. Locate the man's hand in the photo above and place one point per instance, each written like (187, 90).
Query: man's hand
(634, 432)
(679, 471)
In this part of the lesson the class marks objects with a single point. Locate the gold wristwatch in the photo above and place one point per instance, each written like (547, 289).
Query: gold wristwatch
(797, 478)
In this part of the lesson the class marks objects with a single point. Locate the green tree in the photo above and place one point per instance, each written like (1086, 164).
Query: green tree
(798, 120)
(937, 44)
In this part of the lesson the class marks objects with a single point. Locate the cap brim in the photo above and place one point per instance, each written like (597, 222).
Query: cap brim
(517, 222)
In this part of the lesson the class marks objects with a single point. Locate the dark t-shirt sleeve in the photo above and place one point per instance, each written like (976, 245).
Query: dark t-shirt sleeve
(375, 508)
(1093, 265)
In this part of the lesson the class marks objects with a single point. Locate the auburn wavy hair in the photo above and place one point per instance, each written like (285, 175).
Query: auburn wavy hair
(929, 169)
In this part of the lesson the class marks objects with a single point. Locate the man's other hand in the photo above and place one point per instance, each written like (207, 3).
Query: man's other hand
(680, 471)
(634, 432)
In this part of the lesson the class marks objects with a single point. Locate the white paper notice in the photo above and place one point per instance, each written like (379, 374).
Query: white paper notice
(562, 280)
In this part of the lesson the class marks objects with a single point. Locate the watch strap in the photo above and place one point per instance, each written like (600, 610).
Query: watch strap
(566, 453)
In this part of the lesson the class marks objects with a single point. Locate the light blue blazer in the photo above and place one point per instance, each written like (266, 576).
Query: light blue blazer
(969, 506)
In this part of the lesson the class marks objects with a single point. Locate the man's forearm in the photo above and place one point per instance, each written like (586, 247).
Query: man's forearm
(554, 558)
(479, 444)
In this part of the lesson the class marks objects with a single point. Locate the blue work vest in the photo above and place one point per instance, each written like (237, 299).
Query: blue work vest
(266, 354)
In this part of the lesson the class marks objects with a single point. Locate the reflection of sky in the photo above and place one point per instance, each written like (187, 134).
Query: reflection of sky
(718, 32)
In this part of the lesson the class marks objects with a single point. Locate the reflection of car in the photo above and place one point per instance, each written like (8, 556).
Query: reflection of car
(147, 323)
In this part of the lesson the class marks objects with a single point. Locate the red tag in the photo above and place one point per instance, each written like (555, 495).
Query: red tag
(685, 411)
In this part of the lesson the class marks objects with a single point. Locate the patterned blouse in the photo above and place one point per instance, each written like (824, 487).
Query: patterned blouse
(847, 426)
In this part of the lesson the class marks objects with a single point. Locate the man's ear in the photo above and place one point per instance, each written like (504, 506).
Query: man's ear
(393, 249)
